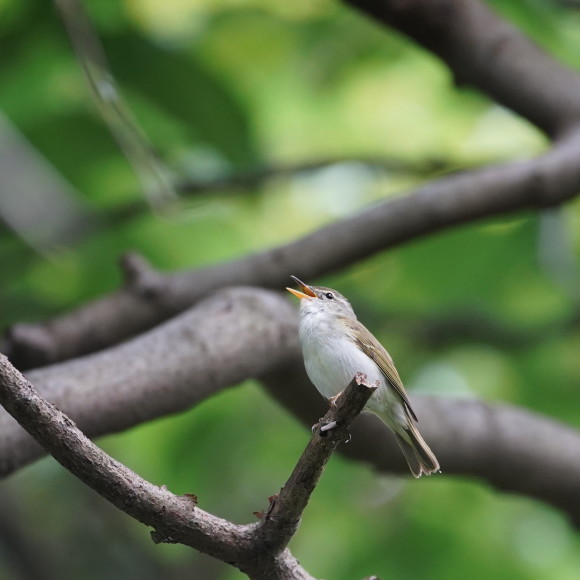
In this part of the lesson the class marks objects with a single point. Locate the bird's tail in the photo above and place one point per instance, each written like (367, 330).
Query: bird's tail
(420, 458)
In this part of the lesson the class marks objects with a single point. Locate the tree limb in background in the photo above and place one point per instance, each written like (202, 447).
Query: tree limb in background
(251, 179)
(484, 51)
(439, 331)
(259, 550)
(148, 297)
(513, 449)
(251, 332)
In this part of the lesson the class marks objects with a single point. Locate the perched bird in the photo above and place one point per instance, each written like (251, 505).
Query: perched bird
(336, 346)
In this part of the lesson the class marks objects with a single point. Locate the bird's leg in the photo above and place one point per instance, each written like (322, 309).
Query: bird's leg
(332, 400)
(324, 427)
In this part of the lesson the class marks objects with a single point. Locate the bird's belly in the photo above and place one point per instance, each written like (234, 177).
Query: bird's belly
(332, 366)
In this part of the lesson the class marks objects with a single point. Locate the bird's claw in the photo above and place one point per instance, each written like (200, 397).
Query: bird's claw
(325, 427)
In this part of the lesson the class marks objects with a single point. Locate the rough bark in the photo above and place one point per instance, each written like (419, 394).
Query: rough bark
(236, 334)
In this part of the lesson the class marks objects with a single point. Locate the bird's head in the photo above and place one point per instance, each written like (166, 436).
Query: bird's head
(321, 300)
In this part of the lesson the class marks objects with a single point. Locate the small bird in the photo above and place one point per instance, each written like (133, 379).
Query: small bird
(336, 346)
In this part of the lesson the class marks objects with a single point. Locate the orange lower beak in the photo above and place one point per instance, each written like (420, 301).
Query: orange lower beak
(298, 294)
(307, 291)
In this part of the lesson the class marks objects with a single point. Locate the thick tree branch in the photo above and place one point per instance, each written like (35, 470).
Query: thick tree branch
(246, 332)
(484, 51)
(546, 181)
(236, 334)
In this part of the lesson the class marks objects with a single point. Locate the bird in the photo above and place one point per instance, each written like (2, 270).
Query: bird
(336, 346)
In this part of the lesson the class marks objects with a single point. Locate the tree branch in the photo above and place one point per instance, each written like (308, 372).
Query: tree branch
(481, 50)
(257, 549)
(484, 51)
(462, 198)
(236, 334)
(171, 516)
(280, 522)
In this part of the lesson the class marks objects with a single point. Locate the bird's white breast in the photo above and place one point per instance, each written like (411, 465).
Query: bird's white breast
(330, 357)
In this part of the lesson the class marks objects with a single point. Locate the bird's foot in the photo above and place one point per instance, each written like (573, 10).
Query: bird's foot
(328, 426)
(323, 426)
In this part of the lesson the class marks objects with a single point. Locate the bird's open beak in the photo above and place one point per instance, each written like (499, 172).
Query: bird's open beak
(307, 291)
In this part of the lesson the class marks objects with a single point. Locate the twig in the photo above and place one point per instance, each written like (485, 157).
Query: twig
(281, 520)
(150, 170)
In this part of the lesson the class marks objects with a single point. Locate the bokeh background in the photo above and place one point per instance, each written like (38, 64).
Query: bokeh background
(221, 88)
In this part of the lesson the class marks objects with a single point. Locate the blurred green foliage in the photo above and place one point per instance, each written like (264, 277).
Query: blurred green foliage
(221, 87)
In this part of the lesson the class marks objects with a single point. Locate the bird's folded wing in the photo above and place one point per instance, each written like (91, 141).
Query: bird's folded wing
(362, 337)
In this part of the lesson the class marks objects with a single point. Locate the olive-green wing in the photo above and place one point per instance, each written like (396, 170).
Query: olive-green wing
(375, 350)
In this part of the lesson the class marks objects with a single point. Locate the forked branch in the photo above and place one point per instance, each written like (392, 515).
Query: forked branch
(259, 550)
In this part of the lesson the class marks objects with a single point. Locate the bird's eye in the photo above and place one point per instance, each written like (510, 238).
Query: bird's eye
(329, 295)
